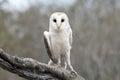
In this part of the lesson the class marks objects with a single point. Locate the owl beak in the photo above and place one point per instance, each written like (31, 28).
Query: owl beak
(58, 26)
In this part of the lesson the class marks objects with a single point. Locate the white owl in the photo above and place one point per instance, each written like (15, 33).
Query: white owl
(59, 40)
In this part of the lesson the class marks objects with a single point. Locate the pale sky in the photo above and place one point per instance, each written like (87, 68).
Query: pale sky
(22, 5)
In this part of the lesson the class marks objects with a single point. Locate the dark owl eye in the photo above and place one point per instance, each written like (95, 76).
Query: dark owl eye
(54, 20)
(62, 20)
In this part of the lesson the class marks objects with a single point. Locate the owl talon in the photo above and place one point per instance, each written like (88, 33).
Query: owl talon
(58, 66)
(74, 73)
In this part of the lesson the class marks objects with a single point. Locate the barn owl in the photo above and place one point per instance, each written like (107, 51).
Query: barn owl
(59, 40)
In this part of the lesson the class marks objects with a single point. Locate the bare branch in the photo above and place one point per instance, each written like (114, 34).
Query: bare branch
(33, 70)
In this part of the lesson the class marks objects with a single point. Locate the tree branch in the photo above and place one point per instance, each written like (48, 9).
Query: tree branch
(33, 70)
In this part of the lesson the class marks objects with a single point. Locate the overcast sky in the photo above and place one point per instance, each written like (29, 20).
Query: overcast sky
(21, 5)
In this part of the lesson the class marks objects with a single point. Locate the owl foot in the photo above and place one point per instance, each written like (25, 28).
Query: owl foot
(74, 73)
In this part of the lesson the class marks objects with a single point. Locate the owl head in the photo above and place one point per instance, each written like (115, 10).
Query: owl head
(58, 21)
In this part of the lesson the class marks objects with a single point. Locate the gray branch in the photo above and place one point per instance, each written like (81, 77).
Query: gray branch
(33, 70)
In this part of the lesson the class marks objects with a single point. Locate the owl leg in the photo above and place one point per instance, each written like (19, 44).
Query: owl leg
(69, 64)
(68, 61)
(63, 61)
(55, 61)
(51, 62)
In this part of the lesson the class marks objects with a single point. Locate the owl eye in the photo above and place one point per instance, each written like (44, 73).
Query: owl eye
(54, 20)
(62, 20)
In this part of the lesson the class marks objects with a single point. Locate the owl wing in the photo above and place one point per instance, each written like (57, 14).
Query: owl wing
(47, 43)
(70, 38)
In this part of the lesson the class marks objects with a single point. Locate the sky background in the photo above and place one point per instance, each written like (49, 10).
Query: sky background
(22, 5)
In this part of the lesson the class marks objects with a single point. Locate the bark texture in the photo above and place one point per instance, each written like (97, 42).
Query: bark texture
(31, 69)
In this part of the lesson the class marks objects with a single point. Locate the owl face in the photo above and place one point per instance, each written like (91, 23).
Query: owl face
(58, 21)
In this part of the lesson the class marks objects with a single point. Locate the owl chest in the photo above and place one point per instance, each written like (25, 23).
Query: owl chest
(60, 43)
